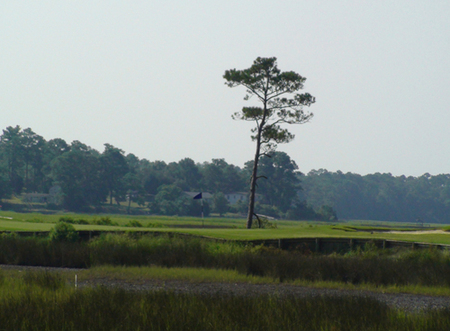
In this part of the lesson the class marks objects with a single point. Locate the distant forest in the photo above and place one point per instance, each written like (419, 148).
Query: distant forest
(90, 180)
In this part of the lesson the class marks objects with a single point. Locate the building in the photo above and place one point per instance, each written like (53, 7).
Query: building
(235, 197)
(54, 196)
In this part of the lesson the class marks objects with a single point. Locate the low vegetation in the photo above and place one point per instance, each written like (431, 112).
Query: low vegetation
(427, 267)
(32, 300)
(42, 301)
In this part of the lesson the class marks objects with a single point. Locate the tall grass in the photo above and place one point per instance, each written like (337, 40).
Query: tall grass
(369, 266)
(36, 251)
(32, 305)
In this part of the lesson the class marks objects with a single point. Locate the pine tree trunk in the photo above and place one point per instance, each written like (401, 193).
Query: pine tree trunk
(251, 200)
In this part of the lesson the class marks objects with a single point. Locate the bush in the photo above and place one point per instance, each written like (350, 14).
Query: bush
(134, 223)
(66, 220)
(63, 231)
(70, 220)
(104, 221)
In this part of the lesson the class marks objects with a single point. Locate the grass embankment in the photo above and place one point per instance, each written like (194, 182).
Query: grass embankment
(42, 301)
(424, 271)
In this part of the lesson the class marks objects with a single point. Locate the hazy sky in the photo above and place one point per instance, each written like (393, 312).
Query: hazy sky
(146, 76)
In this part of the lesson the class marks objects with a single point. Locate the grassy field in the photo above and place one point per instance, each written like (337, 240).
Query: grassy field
(228, 228)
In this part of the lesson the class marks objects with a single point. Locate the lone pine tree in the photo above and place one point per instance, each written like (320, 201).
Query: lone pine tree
(280, 104)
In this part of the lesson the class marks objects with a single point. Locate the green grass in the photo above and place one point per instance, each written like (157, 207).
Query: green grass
(236, 231)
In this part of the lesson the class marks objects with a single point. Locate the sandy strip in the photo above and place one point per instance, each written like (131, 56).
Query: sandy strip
(420, 232)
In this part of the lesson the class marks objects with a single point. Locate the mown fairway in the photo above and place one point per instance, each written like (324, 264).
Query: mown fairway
(228, 228)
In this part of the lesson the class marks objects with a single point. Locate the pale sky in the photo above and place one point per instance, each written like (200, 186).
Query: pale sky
(146, 77)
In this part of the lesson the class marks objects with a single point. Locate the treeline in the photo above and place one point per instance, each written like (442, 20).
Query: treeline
(91, 179)
(380, 196)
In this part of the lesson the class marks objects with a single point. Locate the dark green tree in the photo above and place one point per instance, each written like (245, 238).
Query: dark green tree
(5, 189)
(281, 184)
(187, 175)
(280, 104)
(219, 176)
(114, 168)
(79, 175)
(169, 200)
(33, 152)
(11, 143)
(220, 203)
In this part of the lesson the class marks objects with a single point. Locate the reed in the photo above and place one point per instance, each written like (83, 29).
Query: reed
(426, 267)
(33, 305)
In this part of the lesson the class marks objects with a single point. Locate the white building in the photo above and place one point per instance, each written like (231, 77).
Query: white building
(235, 197)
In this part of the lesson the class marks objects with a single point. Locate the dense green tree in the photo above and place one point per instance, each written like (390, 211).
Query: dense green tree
(281, 104)
(11, 143)
(79, 175)
(5, 188)
(187, 175)
(133, 163)
(56, 147)
(219, 176)
(301, 210)
(220, 203)
(132, 184)
(153, 175)
(33, 155)
(169, 200)
(114, 168)
(280, 184)
(380, 196)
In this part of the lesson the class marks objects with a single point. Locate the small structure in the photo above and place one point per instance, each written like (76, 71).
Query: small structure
(36, 197)
(54, 196)
(235, 197)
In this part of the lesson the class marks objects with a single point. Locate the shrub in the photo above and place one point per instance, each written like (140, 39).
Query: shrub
(66, 220)
(35, 220)
(63, 232)
(70, 220)
(134, 223)
(104, 221)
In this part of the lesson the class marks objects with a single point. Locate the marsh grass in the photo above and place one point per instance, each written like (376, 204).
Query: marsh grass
(37, 251)
(28, 303)
(45, 279)
(409, 268)
(194, 275)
